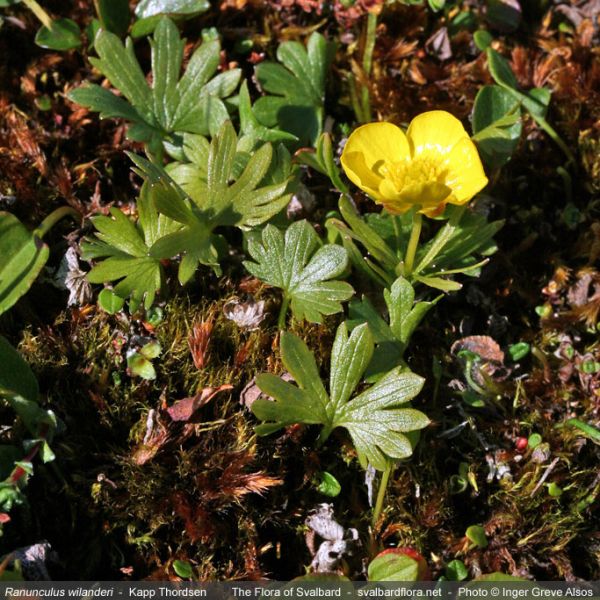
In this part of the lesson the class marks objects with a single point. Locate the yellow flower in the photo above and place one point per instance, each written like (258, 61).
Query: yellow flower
(435, 163)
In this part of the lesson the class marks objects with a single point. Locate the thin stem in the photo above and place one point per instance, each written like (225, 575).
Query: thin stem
(325, 433)
(368, 63)
(283, 312)
(53, 218)
(39, 12)
(557, 139)
(413, 243)
(385, 478)
(356, 106)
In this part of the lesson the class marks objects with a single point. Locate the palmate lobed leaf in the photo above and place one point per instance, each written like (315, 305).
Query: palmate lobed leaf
(391, 338)
(375, 418)
(171, 105)
(220, 199)
(129, 251)
(303, 268)
(297, 88)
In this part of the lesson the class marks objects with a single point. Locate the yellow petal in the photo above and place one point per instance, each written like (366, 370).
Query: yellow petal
(427, 194)
(377, 143)
(434, 131)
(465, 175)
(360, 175)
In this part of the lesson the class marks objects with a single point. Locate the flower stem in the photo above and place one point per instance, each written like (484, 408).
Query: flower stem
(39, 12)
(554, 136)
(368, 64)
(413, 242)
(383, 485)
(53, 218)
(283, 312)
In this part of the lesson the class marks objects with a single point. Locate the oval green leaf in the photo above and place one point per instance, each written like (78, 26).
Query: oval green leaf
(24, 256)
(63, 35)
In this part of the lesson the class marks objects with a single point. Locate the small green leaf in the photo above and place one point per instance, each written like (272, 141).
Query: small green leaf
(63, 35)
(140, 366)
(436, 5)
(498, 577)
(151, 350)
(496, 124)
(500, 69)
(554, 490)
(589, 430)
(151, 8)
(110, 302)
(504, 15)
(476, 534)
(534, 440)
(519, 351)
(483, 39)
(23, 257)
(328, 485)
(393, 567)
(456, 570)
(183, 569)
(303, 268)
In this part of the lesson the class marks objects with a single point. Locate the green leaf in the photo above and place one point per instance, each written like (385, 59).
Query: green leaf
(476, 534)
(393, 567)
(140, 366)
(216, 197)
(127, 251)
(114, 15)
(519, 350)
(373, 418)
(589, 430)
(297, 88)
(391, 339)
(328, 485)
(303, 268)
(250, 126)
(456, 570)
(183, 569)
(436, 5)
(375, 423)
(110, 302)
(63, 35)
(497, 576)
(151, 8)
(405, 314)
(16, 376)
(151, 350)
(504, 16)
(500, 69)
(23, 257)
(482, 39)
(192, 104)
(496, 124)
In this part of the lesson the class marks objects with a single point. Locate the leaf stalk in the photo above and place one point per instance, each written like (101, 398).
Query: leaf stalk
(53, 218)
(283, 312)
(385, 479)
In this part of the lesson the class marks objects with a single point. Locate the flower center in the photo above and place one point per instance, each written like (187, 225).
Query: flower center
(422, 170)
